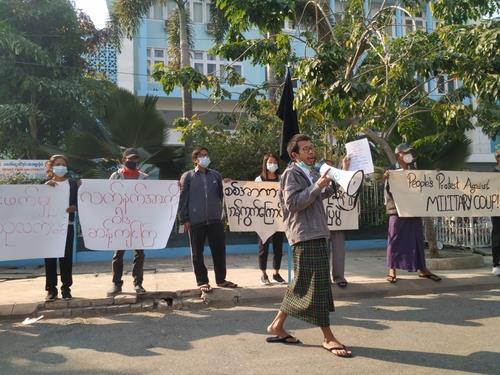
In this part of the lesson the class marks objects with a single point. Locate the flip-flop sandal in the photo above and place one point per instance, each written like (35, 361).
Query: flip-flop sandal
(391, 279)
(227, 284)
(289, 340)
(342, 349)
(342, 284)
(205, 288)
(431, 276)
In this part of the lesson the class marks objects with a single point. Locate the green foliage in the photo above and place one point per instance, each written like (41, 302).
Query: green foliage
(19, 178)
(237, 153)
(95, 149)
(44, 87)
(463, 11)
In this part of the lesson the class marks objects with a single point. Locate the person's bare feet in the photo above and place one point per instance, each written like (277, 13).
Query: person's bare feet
(337, 348)
(280, 332)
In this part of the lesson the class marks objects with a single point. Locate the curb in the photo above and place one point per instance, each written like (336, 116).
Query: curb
(165, 301)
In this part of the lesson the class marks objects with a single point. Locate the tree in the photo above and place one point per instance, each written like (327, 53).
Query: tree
(127, 16)
(43, 87)
(360, 80)
(95, 148)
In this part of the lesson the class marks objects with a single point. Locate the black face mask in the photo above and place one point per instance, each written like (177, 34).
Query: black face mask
(131, 164)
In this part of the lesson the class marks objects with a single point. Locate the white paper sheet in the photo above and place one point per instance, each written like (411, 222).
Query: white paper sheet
(361, 157)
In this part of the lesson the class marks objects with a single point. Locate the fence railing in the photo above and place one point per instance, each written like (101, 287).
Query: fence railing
(469, 232)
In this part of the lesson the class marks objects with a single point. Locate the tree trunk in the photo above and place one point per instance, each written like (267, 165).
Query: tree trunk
(187, 100)
(33, 128)
(430, 235)
(271, 80)
(382, 143)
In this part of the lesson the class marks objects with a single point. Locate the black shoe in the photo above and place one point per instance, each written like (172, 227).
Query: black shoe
(277, 277)
(139, 289)
(51, 295)
(66, 294)
(117, 288)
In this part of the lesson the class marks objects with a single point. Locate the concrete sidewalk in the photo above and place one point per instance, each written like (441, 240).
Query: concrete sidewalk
(171, 284)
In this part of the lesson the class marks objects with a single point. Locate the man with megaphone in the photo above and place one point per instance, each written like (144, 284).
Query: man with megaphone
(309, 295)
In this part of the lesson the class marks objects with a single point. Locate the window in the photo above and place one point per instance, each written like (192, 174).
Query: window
(156, 12)
(445, 84)
(288, 24)
(408, 23)
(154, 56)
(161, 12)
(208, 64)
(200, 11)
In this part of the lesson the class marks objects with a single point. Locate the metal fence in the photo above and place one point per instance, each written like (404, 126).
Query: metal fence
(464, 232)
(468, 232)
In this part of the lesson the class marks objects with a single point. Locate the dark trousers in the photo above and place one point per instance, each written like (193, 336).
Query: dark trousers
(495, 241)
(65, 266)
(277, 241)
(137, 270)
(217, 242)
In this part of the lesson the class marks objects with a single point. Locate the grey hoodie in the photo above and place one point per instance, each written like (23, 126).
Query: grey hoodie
(302, 204)
(201, 197)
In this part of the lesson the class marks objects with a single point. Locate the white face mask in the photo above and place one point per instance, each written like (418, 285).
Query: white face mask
(408, 158)
(59, 170)
(204, 161)
(271, 167)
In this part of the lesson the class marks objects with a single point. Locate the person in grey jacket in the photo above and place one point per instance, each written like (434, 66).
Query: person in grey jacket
(309, 295)
(200, 211)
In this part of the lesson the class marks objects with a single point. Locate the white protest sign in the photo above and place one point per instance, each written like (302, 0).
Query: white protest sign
(253, 207)
(127, 214)
(28, 168)
(33, 221)
(341, 213)
(445, 193)
(360, 156)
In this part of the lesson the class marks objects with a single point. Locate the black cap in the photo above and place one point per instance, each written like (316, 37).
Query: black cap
(402, 147)
(129, 152)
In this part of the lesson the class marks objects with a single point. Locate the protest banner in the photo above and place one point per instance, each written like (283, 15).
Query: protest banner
(28, 168)
(445, 193)
(341, 213)
(33, 221)
(255, 207)
(127, 214)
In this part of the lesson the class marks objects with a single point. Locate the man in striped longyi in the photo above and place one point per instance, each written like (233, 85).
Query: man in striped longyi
(309, 296)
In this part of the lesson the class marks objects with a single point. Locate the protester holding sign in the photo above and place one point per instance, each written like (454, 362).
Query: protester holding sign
(495, 230)
(129, 171)
(309, 296)
(405, 241)
(337, 247)
(269, 172)
(200, 211)
(57, 172)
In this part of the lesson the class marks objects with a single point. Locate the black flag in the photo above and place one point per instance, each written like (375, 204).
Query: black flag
(288, 115)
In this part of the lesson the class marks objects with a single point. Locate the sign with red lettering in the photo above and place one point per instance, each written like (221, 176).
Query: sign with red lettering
(127, 214)
(445, 193)
(33, 221)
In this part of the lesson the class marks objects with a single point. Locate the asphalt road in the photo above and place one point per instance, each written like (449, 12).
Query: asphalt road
(430, 334)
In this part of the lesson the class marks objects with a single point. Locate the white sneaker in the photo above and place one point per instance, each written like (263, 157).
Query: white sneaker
(496, 271)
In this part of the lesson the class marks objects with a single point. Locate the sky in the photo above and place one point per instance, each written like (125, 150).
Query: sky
(96, 9)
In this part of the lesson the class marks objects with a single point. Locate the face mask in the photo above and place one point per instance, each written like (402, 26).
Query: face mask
(131, 164)
(204, 161)
(60, 170)
(408, 158)
(271, 167)
(304, 165)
